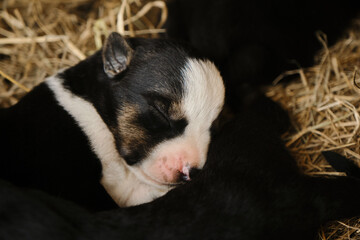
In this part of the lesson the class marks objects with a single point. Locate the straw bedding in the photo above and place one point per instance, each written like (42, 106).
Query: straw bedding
(38, 37)
(324, 102)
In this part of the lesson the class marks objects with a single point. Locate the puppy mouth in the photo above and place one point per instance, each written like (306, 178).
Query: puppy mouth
(157, 182)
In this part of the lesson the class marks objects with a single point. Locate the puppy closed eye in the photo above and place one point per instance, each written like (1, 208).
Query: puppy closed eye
(160, 112)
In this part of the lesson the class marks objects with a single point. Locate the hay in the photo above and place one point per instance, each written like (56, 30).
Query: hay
(39, 37)
(324, 105)
(324, 102)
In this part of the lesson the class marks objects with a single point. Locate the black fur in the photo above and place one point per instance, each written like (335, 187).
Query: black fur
(342, 164)
(250, 189)
(42, 147)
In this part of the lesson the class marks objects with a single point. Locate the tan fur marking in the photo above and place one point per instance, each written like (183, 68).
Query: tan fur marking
(131, 134)
(175, 111)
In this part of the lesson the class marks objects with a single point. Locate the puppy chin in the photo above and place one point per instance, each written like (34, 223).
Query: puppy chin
(142, 192)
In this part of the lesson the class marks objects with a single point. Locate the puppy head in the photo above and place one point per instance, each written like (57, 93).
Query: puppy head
(165, 103)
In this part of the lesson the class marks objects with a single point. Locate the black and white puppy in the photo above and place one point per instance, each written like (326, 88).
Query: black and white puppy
(249, 189)
(135, 117)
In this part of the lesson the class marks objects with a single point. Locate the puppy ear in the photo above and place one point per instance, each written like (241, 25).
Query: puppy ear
(116, 54)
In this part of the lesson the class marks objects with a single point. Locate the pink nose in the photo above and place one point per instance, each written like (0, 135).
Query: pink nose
(173, 167)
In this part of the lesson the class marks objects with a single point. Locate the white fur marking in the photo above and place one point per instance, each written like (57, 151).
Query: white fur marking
(203, 101)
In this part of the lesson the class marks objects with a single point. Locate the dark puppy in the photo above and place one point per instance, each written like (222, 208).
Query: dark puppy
(250, 188)
(252, 42)
(135, 116)
(342, 164)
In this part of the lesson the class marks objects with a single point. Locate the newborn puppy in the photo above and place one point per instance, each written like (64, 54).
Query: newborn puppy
(135, 117)
(249, 189)
(253, 42)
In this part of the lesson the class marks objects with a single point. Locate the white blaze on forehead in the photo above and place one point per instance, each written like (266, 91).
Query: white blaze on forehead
(204, 92)
(203, 100)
